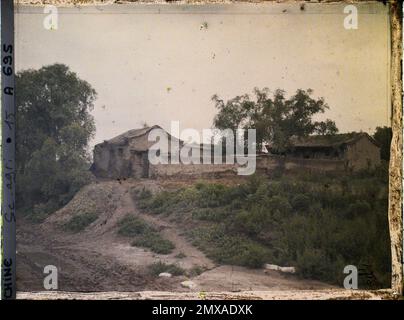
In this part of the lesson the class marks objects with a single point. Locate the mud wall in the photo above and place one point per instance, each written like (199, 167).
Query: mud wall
(363, 154)
(195, 170)
(265, 164)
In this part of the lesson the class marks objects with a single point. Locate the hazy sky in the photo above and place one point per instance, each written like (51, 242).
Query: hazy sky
(155, 63)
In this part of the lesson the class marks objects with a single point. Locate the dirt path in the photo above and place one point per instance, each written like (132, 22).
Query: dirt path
(79, 268)
(193, 257)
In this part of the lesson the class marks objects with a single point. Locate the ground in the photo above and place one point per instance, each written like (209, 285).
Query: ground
(98, 259)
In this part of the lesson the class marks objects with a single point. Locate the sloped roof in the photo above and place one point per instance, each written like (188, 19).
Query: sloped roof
(123, 138)
(137, 138)
(331, 141)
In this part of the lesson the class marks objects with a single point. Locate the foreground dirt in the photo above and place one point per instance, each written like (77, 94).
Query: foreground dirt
(97, 259)
(337, 294)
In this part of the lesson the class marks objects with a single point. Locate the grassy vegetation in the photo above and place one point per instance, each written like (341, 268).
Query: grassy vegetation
(196, 271)
(80, 222)
(316, 222)
(158, 267)
(144, 235)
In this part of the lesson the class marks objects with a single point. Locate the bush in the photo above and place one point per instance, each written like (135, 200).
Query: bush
(301, 202)
(342, 220)
(130, 226)
(314, 264)
(41, 211)
(229, 249)
(211, 214)
(253, 221)
(80, 222)
(359, 207)
(154, 242)
(196, 271)
(144, 235)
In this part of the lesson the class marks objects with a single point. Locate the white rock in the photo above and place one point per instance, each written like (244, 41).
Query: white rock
(165, 275)
(272, 267)
(287, 269)
(188, 284)
(281, 269)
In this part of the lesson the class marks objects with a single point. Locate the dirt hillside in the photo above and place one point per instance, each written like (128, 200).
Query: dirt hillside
(99, 259)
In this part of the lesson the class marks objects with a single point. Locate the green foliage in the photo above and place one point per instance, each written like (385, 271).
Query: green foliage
(196, 271)
(80, 222)
(144, 235)
(154, 242)
(54, 127)
(227, 248)
(383, 136)
(301, 202)
(159, 267)
(316, 222)
(131, 226)
(276, 119)
(41, 211)
(211, 214)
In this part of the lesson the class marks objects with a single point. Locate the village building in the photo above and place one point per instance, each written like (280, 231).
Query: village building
(355, 150)
(125, 155)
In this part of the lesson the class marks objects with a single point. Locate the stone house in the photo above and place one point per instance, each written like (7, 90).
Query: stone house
(125, 155)
(356, 150)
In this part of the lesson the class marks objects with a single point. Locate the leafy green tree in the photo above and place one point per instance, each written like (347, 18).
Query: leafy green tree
(54, 126)
(275, 117)
(383, 136)
(326, 127)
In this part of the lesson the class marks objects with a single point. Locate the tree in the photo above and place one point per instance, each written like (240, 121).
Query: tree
(383, 136)
(54, 126)
(326, 127)
(276, 119)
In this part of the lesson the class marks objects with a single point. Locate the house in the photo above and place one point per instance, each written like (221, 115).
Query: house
(125, 155)
(356, 150)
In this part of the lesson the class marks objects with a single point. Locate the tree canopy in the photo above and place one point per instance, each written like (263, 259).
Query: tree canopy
(275, 117)
(54, 126)
(383, 136)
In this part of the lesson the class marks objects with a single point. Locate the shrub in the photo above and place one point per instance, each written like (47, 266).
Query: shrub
(131, 226)
(196, 271)
(359, 207)
(144, 235)
(211, 214)
(229, 249)
(80, 222)
(301, 202)
(154, 242)
(253, 221)
(342, 220)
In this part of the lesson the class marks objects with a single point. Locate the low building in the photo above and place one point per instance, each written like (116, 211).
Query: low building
(356, 150)
(125, 155)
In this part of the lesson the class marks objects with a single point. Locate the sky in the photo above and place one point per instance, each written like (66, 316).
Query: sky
(160, 63)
